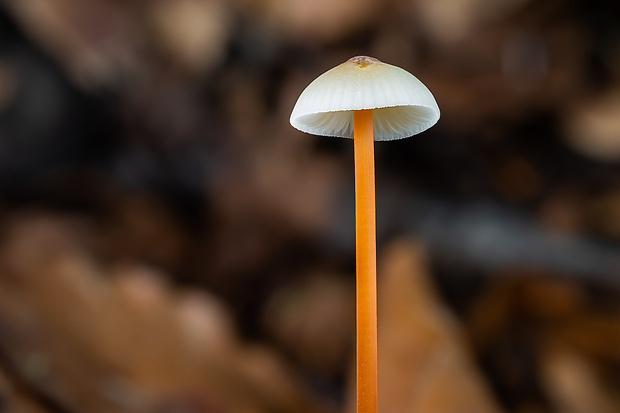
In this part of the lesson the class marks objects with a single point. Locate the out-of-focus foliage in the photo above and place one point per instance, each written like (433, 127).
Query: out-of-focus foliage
(168, 243)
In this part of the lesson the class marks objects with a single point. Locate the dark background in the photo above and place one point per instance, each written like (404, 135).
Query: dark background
(169, 243)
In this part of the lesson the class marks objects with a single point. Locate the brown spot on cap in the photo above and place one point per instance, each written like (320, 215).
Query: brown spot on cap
(363, 61)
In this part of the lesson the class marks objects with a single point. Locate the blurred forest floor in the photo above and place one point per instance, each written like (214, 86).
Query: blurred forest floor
(169, 243)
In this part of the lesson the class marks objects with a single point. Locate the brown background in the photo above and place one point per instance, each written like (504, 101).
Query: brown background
(169, 243)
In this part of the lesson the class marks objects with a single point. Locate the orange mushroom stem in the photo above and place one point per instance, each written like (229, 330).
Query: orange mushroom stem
(366, 262)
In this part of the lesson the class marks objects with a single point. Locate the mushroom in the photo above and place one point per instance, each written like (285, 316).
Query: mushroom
(367, 100)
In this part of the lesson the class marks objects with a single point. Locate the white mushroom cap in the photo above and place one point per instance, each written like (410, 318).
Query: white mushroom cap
(402, 105)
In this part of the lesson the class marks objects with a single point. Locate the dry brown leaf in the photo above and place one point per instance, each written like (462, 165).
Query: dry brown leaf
(424, 364)
(125, 342)
(193, 33)
(573, 383)
(448, 21)
(592, 126)
(594, 335)
(16, 399)
(320, 20)
(314, 320)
